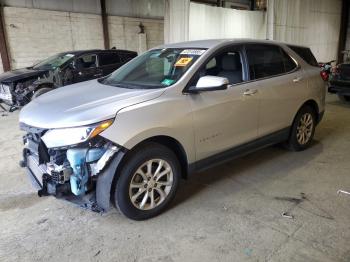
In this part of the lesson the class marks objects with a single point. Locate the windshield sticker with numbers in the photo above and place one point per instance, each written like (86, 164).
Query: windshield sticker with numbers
(192, 52)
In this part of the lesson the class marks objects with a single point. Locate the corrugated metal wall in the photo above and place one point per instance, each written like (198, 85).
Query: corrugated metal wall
(130, 8)
(136, 8)
(215, 22)
(314, 23)
(78, 6)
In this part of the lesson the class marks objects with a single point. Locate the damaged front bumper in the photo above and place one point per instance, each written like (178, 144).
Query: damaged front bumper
(73, 173)
(5, 94)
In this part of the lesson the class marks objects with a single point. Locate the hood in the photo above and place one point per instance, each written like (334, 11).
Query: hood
(82, 104)
(19, 74)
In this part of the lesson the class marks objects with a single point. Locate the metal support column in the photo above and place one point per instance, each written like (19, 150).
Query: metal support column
(104, 24)
(343, 30)
(5, 58)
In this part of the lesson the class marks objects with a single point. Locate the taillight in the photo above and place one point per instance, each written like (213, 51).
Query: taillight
(324, 75)
(335, 70)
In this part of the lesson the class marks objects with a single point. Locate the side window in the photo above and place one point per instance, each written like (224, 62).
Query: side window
(211, 64)
(306, 54)
(265, 61)
(86, 61)
(226, 64)
(109, 59)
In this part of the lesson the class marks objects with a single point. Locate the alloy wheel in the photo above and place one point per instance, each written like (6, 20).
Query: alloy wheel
(305, 128)
(151, 184)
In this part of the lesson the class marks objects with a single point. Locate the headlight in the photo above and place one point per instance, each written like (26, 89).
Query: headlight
(70, 136)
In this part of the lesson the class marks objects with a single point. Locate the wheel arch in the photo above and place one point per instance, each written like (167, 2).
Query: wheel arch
(313, 104)
(164, 140)
(172, 144)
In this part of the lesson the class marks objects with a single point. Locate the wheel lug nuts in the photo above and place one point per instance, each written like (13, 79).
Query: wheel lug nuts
(145, 186)
(150, 189)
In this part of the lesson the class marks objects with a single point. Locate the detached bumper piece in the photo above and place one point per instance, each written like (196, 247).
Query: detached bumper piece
(71, 173)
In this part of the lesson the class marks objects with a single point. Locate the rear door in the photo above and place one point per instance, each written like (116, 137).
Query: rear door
(109, 62)
(282, 86)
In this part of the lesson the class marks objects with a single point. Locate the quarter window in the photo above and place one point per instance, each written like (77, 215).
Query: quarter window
(267, 60)
(306, 54)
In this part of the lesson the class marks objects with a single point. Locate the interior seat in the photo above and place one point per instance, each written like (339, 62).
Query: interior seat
(231, 68)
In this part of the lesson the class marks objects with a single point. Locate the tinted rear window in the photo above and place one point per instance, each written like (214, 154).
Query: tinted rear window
(305, 53)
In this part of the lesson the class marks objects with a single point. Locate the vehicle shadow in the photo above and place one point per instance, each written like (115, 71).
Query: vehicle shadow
(245, 168)
(339, 103)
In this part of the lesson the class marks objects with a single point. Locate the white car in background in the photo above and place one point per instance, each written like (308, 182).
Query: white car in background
(180, 108)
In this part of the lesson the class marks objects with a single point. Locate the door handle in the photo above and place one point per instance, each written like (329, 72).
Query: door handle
(298, 79)
(250, 92)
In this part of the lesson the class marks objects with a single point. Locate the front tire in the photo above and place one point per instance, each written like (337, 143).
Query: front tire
(148, 182)
(303, 129)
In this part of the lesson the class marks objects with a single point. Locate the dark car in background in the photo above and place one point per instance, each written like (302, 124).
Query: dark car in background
(339, 82)
(18, 87)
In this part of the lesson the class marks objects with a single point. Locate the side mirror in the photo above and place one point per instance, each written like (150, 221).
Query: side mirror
(209, 83)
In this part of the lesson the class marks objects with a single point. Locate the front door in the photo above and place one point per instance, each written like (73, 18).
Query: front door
(226, 118)
(86, 68)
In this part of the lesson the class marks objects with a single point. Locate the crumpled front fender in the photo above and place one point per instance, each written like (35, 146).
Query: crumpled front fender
(105, 181)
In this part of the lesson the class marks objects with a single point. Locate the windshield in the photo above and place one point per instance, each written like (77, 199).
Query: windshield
(53, 61)
(154, 69)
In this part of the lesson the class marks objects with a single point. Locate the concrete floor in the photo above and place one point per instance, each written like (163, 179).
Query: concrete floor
(230, 213)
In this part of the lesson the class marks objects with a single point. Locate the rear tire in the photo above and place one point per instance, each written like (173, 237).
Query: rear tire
(303, 129)
(344, 98)
(148, 182)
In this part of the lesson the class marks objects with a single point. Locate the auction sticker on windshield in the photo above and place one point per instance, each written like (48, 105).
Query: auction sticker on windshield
(184, 61)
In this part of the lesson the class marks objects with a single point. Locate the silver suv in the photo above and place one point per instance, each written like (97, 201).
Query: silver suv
(129, 138)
